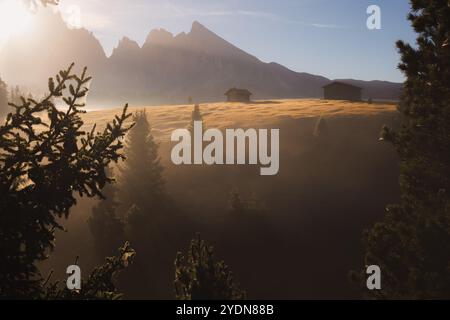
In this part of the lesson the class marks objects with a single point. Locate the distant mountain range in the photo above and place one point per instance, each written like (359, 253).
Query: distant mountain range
(166, 69)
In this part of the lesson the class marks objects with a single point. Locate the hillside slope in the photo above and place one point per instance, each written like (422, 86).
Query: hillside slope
(166, 118)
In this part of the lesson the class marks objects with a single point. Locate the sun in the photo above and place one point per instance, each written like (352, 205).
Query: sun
(14, 18)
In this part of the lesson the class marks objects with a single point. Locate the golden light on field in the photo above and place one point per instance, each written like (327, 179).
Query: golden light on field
(259, 114)
(14, 18)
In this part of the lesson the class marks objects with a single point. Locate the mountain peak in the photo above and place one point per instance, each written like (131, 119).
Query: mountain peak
(159, 37)
(126, 42)
(125, 46)
(197, 26)
(200, 31)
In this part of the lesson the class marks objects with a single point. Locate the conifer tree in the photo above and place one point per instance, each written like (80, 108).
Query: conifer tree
(236, 205)
(100, 285)
(239, 207)
(198, 276)
(3, 98)
(412, 243)
(153, 223)
(248, 216)
(15, 95)
(12, 97)
(141, 179)
(107, 227)
(143, 227)
(196, 115)
(40, 170)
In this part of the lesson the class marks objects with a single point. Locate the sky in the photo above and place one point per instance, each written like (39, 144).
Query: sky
(323, 37)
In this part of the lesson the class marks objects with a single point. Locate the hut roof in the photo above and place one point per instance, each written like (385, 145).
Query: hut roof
(342, 84)
(238, 91)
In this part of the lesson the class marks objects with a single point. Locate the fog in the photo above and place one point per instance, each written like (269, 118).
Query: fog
(330, 187)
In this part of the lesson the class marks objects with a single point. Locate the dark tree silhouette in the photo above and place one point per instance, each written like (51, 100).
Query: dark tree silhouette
(152, 223)
(100, 284)
(412, 244)
(107, 228)
(198, 276)
(141, 180)
(16, 95)
(241, 208)
(237, 206)
(3, 98)
(196, 115)
(42, 165)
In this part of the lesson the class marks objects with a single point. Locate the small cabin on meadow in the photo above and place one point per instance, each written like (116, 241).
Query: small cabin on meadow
(238, 95)
(342, 91)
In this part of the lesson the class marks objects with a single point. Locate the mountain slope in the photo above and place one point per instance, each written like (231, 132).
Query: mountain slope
(29, 60)
(166, 69)
(381, 90)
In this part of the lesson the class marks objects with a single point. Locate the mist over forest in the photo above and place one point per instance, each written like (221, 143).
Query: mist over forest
(98, 201)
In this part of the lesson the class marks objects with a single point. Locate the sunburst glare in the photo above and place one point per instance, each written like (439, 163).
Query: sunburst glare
(14, 18)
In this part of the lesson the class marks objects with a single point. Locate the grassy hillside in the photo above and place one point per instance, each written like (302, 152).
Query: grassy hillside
(329, 188)
(222, 115)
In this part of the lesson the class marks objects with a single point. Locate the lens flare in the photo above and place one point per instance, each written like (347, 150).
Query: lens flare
(14, 18)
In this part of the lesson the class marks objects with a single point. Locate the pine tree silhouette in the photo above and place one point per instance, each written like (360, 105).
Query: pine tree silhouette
(40, 170)
(141, 176)
(152, 223)
(107, 227)
(198, 276)
(236, 205)
(3, 98)
(100, 284)
(412, 243)
(196, 115)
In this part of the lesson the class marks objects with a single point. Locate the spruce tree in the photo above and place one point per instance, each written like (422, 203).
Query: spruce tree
(141, 179)
(15, 95)
(196, 115)
(246, 226)
(251, 208)
(198, 276)
(3, 98)
(151, 224)
(100, 285)
(12, 97)
(412, 243)
(236, 205)
(42, 165)
(107, 227)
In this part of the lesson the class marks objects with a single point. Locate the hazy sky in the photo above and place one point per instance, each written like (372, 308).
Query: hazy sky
(325, 37)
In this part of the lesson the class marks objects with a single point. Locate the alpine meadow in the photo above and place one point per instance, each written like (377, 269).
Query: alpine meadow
(256, 152)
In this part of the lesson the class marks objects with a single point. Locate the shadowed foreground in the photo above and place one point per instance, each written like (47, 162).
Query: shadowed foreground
(333, 183)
